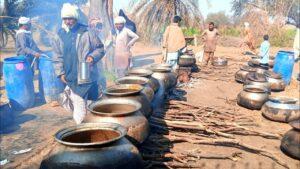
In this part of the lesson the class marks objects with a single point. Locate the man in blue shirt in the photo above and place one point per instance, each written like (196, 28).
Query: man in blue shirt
(264, 51)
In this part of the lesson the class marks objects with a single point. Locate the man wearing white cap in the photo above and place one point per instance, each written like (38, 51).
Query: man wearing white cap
(76, 45)
(125, 39)
(25, 44)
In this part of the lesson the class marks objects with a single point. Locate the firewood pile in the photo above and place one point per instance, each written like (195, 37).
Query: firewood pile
(181, 122)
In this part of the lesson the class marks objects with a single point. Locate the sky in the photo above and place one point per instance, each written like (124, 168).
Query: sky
(213, 7)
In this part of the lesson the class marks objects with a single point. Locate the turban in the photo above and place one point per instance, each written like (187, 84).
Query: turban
(119, 20)
(69, 11)
(24, 20)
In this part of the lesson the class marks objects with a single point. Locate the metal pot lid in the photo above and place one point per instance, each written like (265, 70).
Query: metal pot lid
(295, 124)
(272, 74)
(90, 134)
(255, 89)
(283, 100)
(133, 80)
(114, 107)
(142, 72)
(248, 68)
(124, 90)
(256, 77)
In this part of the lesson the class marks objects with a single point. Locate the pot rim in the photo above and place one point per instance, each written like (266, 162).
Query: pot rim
(141, 72)
(283, 100)
(273, 75)
(248, 68)
(260, 88)
(138, 89)
(186, 57)
(160, 65)
(144, 79)
(161, 69)
(252, 77)
(295, 124)
(120, 101)
(59, 135)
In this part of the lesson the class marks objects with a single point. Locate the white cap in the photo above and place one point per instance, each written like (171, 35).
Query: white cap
(119, 20)
(24, 20)
(69, 11)
(246, 24)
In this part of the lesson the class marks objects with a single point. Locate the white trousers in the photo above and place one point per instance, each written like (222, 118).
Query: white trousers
(74, 103)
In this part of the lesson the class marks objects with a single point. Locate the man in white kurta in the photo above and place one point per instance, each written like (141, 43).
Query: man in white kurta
(125, 39)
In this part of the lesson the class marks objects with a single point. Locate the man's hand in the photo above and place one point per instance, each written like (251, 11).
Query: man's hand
(37, 55)
(90, 59)
(63, 79)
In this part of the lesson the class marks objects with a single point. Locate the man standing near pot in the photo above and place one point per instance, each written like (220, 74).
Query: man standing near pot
(25, 44)
(125, 39)
(173, 42)
(73, 46)
(210, 37)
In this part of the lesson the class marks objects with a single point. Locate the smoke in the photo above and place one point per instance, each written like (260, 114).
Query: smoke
(47, 14)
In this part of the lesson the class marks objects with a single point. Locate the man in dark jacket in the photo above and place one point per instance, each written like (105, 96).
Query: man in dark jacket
(73, 45)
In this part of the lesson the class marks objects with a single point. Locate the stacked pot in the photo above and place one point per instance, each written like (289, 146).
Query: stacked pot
(114, 124)
(259, 82)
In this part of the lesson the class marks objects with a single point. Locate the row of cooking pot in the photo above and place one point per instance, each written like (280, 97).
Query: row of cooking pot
(255, 95)
(260, 77)
(100, 141)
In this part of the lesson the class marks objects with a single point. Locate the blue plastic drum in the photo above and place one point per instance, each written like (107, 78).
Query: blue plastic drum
(283, 65)
(50, 85)
(18, 82)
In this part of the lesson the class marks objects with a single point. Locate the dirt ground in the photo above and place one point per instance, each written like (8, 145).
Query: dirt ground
(34, 128)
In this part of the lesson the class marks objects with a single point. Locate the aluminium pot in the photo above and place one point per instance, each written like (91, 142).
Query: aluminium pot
(148, 91)
(166, 78)
(252, 97)
(130, 91)
(91, 146)
(290, 143)
(281, 109)
(240, 75)
(276, 82)
(122, 111)
(220, 62)
(142, 72)
(257, 79)
(186, 60)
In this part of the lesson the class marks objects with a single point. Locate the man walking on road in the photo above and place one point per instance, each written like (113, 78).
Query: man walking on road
(210, 37)
(74, 45)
